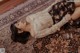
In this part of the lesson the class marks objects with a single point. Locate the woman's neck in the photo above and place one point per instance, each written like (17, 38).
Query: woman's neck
(28, 28)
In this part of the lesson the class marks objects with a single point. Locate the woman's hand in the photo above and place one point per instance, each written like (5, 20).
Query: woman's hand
(67, 18)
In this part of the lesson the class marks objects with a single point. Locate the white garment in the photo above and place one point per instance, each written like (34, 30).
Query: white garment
(40, 21)
(42, 24)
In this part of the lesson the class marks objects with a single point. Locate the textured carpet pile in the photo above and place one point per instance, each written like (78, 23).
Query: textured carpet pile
(64, 41)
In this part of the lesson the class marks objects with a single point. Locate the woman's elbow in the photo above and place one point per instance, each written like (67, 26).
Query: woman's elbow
(37, 36)
(34, 36)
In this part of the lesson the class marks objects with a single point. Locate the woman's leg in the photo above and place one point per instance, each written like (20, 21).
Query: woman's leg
(77, 4)
(76, 14)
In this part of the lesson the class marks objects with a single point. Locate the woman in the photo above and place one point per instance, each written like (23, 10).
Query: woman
(45, 22)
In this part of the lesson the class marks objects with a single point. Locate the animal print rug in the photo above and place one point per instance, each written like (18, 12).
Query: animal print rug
(64, 41)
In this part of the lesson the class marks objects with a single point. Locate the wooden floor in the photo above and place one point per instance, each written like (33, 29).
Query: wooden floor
(6, 5)
(3, 1)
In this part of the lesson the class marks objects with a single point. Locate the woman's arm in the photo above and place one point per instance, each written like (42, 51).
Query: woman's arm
(54, 28)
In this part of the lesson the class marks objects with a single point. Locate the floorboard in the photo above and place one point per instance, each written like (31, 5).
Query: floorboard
(6, 5)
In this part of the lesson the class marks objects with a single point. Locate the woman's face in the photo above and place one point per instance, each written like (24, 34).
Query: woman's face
(21, 26)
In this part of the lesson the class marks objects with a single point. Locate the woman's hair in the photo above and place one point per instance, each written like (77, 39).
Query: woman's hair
(19, 37)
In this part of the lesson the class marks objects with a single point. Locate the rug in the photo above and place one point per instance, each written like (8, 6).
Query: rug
(64, 41)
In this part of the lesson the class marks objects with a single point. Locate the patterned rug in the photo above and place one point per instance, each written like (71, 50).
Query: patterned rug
(64, 41)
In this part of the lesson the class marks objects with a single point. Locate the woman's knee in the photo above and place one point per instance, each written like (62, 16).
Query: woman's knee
(77, 4)
(76, 14)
